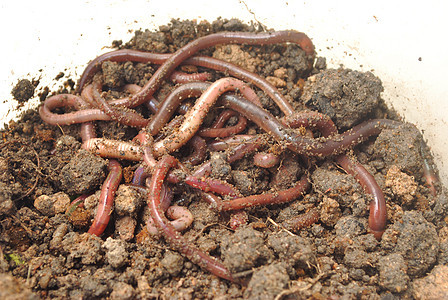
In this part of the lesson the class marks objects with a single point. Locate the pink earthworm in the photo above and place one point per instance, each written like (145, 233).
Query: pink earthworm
(266, 160)
(72, 101)
(106, 200)
(218, 130)
(195, 116)
(114, 149)
(181, 219)
(172, 236)
(182, 77)
(193, 47)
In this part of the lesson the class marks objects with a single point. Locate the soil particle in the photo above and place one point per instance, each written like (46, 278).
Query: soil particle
(113, 74)
(417, 242)
(245, 250)
(330, 212)
(116, 254)
(122, 291)
(173, 262)
(53, 204)
(403, 186)
(295, 250)
(443, 250)
(434, 285)
(84, 248)
(401, 147)
(346, 96)
(393, 273)
(128, 201)
(267, 282)
(235, 55)
(83, 173)
(350, 226)
(125, 228)
(12, 289)
(220, 167)
(23, 90)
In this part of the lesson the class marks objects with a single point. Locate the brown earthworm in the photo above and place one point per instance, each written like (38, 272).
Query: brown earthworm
(106, 200)
(192, 48)
(172, 236)
(218, 129)
(269, 198)
(303, 220)
(298, 143)
(266, 160)
(378, 213)
(199, 147)
(182, 77)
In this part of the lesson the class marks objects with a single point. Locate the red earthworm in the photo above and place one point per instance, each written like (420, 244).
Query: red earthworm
(213, 185)
(303, 220)
(300, 144)
(87, 131)
(114, 149)
(378, 213)
(217, 129)
(203, 170)
(266, 160)
(195, 116)
(193, 47)
(75, 204)
(171, 235)
(269, 198)
(182, 77)
(106, 200)
(199, 147)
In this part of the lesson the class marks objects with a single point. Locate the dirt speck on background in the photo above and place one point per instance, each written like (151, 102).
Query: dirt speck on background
(46, 252)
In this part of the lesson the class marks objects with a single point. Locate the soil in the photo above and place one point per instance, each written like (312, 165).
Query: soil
(47, 253)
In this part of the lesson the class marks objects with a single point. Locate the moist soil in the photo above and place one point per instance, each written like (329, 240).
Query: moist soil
(47, 252)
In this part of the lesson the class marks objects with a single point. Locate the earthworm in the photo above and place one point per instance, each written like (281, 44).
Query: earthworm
(192, 48)
(140, 176)
(378, 213)
(300, 144)
(171, 235)
(217, 129)
(75, 204)
(114, 149)
(195, 116)
(269, 198)
(266, 160)
(199, 152)
(303, 220)
(182, 77)
(238, 218)
(429, 172)
(181, 219)
(106, 200)
(122, 115)
(167, 108)
(68, 100)
(212, 185)
(224, 144)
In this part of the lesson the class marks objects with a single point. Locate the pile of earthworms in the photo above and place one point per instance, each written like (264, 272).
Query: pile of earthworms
(173, 124)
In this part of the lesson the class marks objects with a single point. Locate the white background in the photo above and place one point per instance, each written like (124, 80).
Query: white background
(42, 38)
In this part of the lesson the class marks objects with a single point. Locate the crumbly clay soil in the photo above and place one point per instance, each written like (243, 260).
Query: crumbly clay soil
(48, 254)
